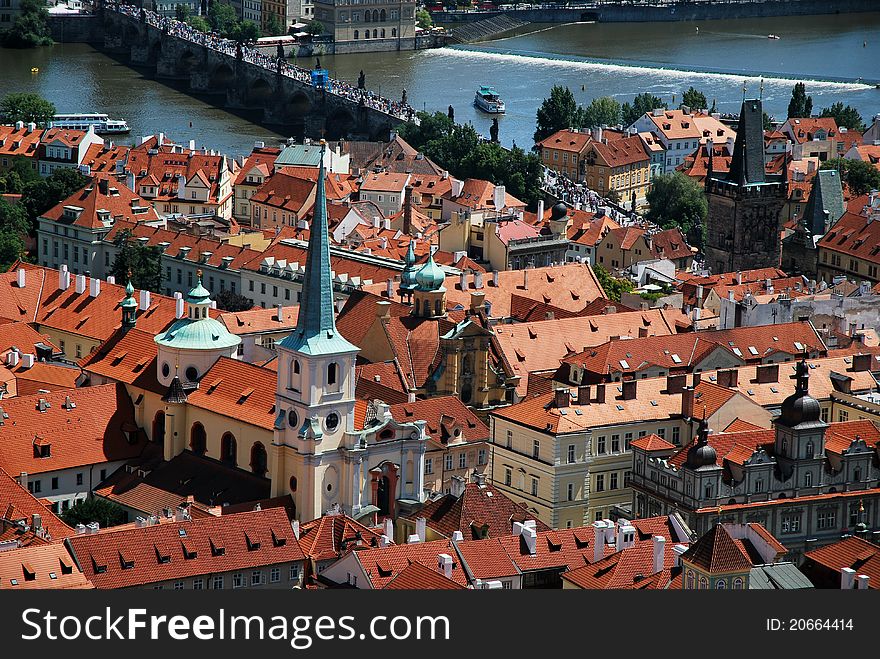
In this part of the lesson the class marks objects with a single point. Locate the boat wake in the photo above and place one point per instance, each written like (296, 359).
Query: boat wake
(522, 57)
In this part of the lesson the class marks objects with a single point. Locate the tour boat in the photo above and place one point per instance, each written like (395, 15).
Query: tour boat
(487, 100)
(100, 122)
(772, 36)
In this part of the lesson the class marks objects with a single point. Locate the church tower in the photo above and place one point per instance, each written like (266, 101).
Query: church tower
(743, 223)
(314, 398)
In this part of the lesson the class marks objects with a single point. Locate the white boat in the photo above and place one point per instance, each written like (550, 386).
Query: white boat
(772, 36)
(487, 100)
(100, 122)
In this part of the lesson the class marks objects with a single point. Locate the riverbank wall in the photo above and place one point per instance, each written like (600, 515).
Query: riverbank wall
(629, 13)
(76, 28)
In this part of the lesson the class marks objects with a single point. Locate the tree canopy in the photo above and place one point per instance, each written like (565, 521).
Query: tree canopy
(31, 27)
(845, 117)
(677, 200)
(106, 513)
(40, 194)
(800, 105)
(560, 110)
(26, 107)
(13, 228)
(602, 111)
(315, 28)
(144, 262)
(694, 99)
(423, 19)
(859, 176)
(641, 104)
(228, 300)
(199, 23)
(612, 286)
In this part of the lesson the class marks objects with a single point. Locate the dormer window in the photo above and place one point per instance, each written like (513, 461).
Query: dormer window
(42, 447)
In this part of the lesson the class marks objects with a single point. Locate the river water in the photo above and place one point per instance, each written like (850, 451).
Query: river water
(830, 53)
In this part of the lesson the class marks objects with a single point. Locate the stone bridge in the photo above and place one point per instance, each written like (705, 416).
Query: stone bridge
(240, 85)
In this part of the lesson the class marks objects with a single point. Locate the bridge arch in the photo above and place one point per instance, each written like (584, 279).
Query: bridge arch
(340, 123)
(221, 77)
(131, 34)
(187, 62)
(299, 105)
(259, 92)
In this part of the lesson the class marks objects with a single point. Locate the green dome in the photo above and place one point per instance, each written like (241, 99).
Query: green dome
(431, 276)
(201, 334)
(129, 300)
(199, 294)
(408, 276)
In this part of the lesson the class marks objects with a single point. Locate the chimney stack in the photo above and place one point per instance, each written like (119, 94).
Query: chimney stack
(728, 378)
(770, 372)
(863, 579)
(444, 563)
(144, 300)
(63, 278)
(598, 540)
(847, 578)
(383, 309)
(80, 284)
(600, 393)
(861, 362)
(630, 389)
(94, 287)
(456, 487)
(279, 313)
(389, 288)
(659, 553)
(675, 384)
(678, 550)
(180, 308)
(498, 197)
(687, 402)
(389, 527)
(540, 210)
(421, 523)
(407, 210)
(526, 279)
(22, 278)
(563, 398)
(478, 301)
(527, 532)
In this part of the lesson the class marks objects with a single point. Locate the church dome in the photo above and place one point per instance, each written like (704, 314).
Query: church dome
(559, 211)
(197, 330)
(800, 408)
(430, 276)
(702, 454)
(129, 301)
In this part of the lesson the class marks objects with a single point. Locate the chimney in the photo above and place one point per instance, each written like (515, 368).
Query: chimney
(563, 398)
(94, 287)
(739, 278)
(498, 197)
(643, 332)
(384, 541)
(457, 536)
(675, 384)
(389, 527)
(861, 362)
(457, 187)
(180, 308)
(444, 563)
(27, 360)
(630, 389)
(847, 578)
(383, 309)
(863, 579)
(769, 373)
(659, 553)
(600, 393)
(598, 540)
(678, 550)
(11, 360)
(103, 186)
(540, 210)
(526, 279)
(478, 301)
(583, 394)
(687, 402)
(80, 284)
(626, 534)
(728, 378)
(181, 186)
(407, 210)
(456, 488)
(294, 525)
(495, 278)
(420, 528)
(279, 313)
(63, 278)
(144, 300)
(23, 479)
(478, 280)
(852, 329)
(527, 532)
(22, 278)
(699, 295)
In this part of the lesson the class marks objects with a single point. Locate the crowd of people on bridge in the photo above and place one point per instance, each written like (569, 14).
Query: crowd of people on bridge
(214, 41)
(579, 196)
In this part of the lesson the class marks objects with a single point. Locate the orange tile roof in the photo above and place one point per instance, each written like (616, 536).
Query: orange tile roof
(262, 158)
(22, 303)
(478, 194)
(487, 559)
(854, 235)
(68, 137)
(102, 158)
(652, 442)
(621, 152)
(566, 140)
(17, 504)
(224, 390)
(47, 567)
(99, 428)
(802, 130)
(383, 565)
(852, 552)
(44, 376)
(353, 266)
(627, 569)
(260, 320)
(541, 346)
(740, 425)
(165, 166)
(128, 357)
(670, 244)
(385, 182)
(248, 540)
(19, 142)
(418, 577)
(444, 415)
(21, 335)
(562, 548)
(716, 551)
(331, 536)
(675, 125)
(478, 508)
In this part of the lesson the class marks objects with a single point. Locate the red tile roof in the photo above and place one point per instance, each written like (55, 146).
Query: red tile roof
(383, 565)
(48, 566)
(99, 427)
(852, 552)
(445, 415)
(206, 546)
(128, 357)
(854, 235)
(478, 194)
(670, 244)
(652, 442)
(418, 577)
(17, 504)
(717, 552)
(621, 152)
(19, 142)
(566, 140)
(165, 167)
(331, 536)
(238, 390)
(259, 320)
(628, 569)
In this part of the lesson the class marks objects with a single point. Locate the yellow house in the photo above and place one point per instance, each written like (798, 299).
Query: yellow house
(618, 165)
(621, 247)
(563, 151)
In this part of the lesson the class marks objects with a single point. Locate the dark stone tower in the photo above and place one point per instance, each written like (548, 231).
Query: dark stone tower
(743, 225)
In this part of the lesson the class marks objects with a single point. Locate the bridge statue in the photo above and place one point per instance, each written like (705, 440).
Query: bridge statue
(317, 62)
(403, 97)
(143, 15)
(362, 80)
(280, 51)
(239, 54)
(451, 113)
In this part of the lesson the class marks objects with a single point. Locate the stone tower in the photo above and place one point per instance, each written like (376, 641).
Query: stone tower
(743, 225)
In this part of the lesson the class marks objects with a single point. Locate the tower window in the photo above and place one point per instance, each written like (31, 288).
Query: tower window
(332, 421)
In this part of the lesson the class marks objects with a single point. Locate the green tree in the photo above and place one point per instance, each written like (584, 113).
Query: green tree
(694, 99)
(602, 111)
(106, 513)
(423, 19)
(199, 23)
(144, 262)
(31, 27)
(431, 127)
(182, 12)
(222, 18)
(14, 227)
(859, 176)
(612, 286)
(315, 28)
(560, 110)
(768, 121)
(245, 32)
(26, 107)
(641, 104)
(676, 200)
(274, 27)
(11, 248)
(19, 172)
(228, 300)
(846, 117)
(39, 195)
(800, 105)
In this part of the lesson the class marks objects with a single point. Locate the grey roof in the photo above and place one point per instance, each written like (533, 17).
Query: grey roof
(747, 163)
(826, 195)
(777, 576)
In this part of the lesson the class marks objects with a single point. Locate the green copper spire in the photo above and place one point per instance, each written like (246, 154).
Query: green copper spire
(408, 276)
(315, 331)
(129, 307)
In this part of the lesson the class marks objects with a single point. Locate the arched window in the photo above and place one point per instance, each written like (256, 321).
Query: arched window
(738, 583)
(333, 376)
(375, 19)
(382, 34)
(295, 376)
(704, 583)
(808, 479)
(382, 16)
(355, 35)
(366, 34)
(198, 440)
(229, 449)
(293, 483)
(375, 34)
(857, 474)
(721, 584)
(708, 490)
(259, 459)
(366, 17)
(159, 427)
(437, 311)
(394, 32)
(690, 580)
(810, 452)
